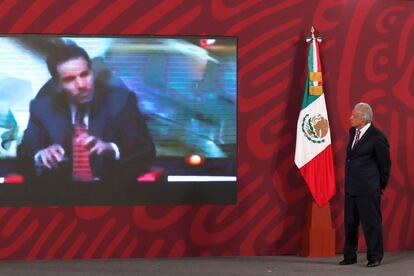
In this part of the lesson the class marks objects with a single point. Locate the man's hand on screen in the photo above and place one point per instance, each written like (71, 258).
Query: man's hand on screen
(50, 156)
(96, 145)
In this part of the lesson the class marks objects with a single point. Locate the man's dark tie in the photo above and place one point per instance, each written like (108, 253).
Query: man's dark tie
(358, 133)
(81, 169)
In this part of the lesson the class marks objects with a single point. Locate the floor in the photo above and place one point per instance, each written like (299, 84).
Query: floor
(394, 263)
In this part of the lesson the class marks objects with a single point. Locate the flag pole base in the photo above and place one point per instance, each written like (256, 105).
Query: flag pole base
(318, 236)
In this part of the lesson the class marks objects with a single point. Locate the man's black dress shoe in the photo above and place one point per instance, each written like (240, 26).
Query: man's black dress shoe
(373, 263)
(347, 262)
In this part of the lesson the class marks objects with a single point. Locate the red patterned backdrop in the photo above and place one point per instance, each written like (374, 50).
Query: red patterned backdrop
(367, 55)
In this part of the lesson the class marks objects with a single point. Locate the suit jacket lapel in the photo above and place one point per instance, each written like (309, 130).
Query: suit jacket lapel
(61, 121)
(351, 139)
(97, 116)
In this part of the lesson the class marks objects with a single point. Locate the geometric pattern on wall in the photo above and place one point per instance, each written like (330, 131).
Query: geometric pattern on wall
(367, 55)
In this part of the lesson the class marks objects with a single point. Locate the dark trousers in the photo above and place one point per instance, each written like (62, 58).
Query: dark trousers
(366, 210)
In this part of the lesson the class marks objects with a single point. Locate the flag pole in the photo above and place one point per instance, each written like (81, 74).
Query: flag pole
(318, 236)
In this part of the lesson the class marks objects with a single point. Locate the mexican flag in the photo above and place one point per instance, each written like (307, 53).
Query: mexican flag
(313, 154)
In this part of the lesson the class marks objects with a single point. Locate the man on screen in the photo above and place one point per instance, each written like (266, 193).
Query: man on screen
(367, 171)
(84, 129)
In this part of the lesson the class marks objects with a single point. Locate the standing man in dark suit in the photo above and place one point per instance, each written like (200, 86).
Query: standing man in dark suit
(367, 171)
(102, 122)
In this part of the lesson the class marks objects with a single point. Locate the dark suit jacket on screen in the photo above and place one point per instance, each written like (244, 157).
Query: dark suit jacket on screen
(368, 165)
(113, 117)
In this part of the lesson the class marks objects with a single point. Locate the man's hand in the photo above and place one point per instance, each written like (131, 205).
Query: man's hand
(95, 145)
(51, 156)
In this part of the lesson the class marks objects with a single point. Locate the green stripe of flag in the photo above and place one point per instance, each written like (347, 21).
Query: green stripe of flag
(308, 99)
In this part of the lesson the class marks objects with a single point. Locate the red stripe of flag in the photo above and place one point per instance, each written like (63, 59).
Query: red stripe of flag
(322, 186)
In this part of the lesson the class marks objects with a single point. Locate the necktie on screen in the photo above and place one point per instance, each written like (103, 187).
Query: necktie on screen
(81, 169)
(356, 138)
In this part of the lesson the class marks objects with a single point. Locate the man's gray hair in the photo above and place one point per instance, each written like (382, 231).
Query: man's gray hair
(366, 111)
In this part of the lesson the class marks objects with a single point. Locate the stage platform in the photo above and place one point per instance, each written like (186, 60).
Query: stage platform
(395, 263)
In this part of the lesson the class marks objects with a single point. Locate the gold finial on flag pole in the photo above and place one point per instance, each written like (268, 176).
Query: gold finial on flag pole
(313, 31)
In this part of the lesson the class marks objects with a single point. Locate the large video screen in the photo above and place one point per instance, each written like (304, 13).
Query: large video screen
(185, 89)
